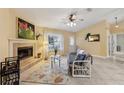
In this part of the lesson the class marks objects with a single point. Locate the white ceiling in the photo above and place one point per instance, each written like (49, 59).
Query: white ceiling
(54, 17)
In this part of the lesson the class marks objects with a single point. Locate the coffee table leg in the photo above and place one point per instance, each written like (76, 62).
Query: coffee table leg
(51, 63)
(59, 61)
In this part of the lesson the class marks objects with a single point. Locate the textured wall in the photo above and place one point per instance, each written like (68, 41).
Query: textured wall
(94, 48)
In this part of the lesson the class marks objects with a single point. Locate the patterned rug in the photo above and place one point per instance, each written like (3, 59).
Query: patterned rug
(44, 74)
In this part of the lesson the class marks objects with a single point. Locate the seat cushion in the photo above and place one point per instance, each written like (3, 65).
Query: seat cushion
(81, 57)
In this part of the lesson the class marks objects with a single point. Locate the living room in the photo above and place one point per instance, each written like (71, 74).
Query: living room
(55, 34)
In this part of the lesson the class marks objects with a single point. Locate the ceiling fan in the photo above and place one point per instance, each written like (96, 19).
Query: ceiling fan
(72, 19)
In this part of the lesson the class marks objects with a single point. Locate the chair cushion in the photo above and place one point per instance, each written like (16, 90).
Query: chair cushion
(81, 57)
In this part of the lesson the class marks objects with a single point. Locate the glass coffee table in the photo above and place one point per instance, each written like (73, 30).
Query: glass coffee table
(55, 59)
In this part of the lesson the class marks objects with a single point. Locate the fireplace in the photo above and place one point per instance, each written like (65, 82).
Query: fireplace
(25, 52)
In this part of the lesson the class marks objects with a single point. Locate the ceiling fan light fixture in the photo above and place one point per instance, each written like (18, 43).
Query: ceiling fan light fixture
(74, 24)
(116, 26)
(71, 24)
(116, 23)
(68, 24)
(74, 17)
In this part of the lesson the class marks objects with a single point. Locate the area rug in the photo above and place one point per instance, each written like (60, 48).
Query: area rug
(47, 75)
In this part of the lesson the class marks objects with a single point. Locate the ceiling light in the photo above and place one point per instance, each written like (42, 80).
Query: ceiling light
(71, 24)
(116, 23)
(68, 24)
(116, 26)
(74, 24)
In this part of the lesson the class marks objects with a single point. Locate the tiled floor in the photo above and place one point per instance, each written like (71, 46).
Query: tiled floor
(104, 72)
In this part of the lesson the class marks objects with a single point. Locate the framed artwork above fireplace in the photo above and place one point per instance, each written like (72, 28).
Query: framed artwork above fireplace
(26, 30)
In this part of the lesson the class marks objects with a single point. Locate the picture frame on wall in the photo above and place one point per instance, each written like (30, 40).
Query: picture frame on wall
(94, 38)
(26, 30)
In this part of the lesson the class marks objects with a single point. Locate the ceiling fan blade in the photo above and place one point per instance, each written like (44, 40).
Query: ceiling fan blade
(81, 19)
(77, 20)
(65, 21)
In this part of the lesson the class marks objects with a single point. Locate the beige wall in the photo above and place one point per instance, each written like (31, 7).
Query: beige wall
(9, 30)
(4, 32)
(94, 48)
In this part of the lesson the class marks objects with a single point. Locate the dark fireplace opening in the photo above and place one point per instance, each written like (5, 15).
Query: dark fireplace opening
(25, 52)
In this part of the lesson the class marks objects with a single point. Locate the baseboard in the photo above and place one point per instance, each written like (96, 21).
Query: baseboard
(103, 57)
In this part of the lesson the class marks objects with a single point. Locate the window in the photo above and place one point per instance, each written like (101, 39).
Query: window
(71, 41)
(120, 43)
(55, 41)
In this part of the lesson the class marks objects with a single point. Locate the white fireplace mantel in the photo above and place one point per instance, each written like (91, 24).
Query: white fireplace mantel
(21, 40)
(13, 41)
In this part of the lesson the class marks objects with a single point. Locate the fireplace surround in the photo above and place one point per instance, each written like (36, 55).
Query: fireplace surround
(21, 45)
(14, 44)
(25, 52)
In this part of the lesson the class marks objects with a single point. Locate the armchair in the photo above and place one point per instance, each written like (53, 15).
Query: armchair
(79, 68)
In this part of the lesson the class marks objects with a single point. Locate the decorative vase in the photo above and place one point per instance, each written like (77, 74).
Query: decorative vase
(55, 50)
